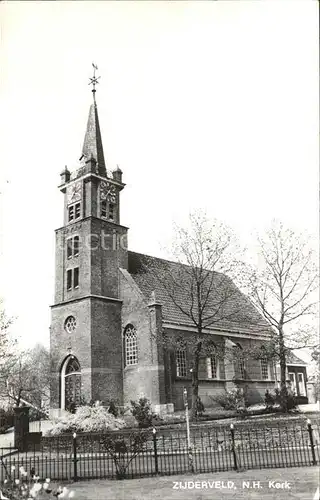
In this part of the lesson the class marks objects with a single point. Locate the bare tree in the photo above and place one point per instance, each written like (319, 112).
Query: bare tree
(23, 374)
(27, 377)
(283, 287)
(199, 286)
(7, 343)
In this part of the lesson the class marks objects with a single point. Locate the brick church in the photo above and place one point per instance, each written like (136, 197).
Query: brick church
(110, 314)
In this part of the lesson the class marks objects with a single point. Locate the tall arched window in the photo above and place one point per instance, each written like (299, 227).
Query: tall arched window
(130, 346)
(239, 365)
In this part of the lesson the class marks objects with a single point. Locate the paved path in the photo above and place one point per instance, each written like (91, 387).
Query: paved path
(310, 407)
(298, 483)
(7, 439)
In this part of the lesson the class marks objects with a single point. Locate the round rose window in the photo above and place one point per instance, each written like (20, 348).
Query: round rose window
(70, 324)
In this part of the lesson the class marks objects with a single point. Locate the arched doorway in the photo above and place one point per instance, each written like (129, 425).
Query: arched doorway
(70, 383)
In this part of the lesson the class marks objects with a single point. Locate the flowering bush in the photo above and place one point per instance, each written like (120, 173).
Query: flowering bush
(94, 418)
(29, 487)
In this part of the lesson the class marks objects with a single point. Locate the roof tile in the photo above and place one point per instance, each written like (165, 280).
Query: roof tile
(230, 309)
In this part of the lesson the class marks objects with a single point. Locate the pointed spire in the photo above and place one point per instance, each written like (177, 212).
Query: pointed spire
(92, 146)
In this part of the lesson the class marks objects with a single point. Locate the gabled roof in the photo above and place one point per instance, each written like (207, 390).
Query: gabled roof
(292, 359)
(152, 274)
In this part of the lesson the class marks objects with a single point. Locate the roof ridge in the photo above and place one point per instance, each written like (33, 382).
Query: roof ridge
(172, 262)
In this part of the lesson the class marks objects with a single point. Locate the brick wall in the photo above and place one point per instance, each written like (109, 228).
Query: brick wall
(106, 350)
(209, 387)
(79, 342)
(146, 379)
(97, 341)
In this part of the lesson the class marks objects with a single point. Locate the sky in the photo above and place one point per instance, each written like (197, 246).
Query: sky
(210, 105)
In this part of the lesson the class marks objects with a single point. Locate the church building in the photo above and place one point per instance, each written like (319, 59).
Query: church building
(110, 314)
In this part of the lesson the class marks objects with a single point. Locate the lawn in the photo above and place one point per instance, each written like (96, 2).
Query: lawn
(221, 417)
(303, 483)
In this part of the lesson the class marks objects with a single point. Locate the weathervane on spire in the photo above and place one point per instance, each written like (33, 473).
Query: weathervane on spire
(94, 80)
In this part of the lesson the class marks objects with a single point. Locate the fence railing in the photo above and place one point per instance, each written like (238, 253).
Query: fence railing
(148, 452)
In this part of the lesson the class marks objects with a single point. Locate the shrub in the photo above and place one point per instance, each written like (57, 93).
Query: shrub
(269, 400)
(94, 418)
(123, 449)
(141, 410)
(285, 399)
(199, 407)
(232, 400)
(113, 409)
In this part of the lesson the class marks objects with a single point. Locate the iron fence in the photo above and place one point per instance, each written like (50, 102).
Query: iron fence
(148, 452)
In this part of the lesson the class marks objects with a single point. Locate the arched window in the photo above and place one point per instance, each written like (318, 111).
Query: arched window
(239, 365)
(130, 346)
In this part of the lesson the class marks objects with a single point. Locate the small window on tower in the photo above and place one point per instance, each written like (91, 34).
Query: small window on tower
(69, 248)
(76, 246)
(111, 211)
(77, 210)
(69, 279)
(75, 277)
(71, 213)
(103, 208)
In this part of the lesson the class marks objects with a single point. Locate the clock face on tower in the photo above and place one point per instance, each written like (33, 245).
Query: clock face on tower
(74, 192)
(108, 192)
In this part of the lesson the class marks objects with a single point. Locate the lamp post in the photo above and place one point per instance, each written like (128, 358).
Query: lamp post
(154, 434)
(75, 459)
(185, 399)
(190, 455)
(233, 447)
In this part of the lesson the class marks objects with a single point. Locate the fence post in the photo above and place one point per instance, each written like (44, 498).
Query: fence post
(233, 448)
(314, 461)
(154, 435)
(75, 460)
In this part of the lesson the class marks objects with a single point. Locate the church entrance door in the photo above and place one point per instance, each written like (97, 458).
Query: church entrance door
(71, 384)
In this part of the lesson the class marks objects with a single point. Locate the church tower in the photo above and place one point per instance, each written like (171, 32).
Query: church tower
(85, 334)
